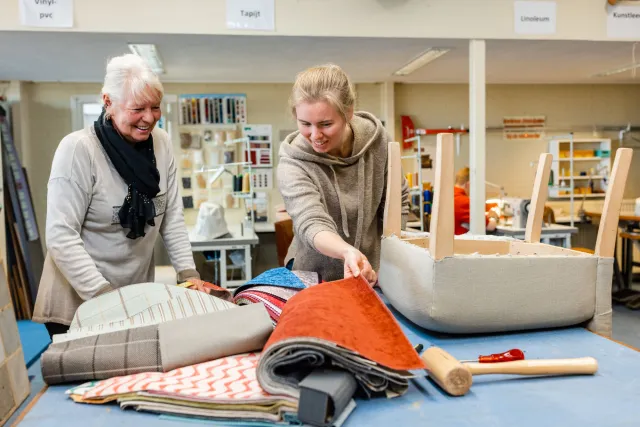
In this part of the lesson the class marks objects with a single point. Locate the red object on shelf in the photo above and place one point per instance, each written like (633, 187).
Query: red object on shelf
(409, 131)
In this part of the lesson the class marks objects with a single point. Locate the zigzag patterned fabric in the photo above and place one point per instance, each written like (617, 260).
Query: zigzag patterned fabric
(225, 388)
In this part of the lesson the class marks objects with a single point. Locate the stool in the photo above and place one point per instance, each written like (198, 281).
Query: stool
(284, 237)
(628, 237)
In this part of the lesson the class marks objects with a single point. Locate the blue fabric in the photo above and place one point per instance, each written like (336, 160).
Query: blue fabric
(280, 276)
(34, 338)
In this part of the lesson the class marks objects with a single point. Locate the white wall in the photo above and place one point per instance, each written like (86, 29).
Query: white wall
(486, 19)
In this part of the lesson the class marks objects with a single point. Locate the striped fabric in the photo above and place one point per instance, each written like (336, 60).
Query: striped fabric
(277, 292)
(273, 288)
(273, 305)
(124, 302)
(152, 303)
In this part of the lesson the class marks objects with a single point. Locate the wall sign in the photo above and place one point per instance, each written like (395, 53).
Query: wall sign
(46, 13)
(535, 17)
(523, 127)
(251, 15)
(623, 22)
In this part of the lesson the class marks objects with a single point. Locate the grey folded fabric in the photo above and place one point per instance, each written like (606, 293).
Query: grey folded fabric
(283, 365)
(103, 356)
(224, 333)
(158, 348)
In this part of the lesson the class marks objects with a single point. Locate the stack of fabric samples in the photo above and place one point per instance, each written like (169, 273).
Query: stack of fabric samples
(344, 325)
(274, 288)
(225, 389)
(223, 392)
(152, 328)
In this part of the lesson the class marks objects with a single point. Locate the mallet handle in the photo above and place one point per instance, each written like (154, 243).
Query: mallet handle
(578, 366)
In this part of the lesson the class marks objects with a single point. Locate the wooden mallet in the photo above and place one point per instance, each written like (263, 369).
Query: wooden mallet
(455, 377)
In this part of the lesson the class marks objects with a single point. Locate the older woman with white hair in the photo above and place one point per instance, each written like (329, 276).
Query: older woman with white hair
(112, 191)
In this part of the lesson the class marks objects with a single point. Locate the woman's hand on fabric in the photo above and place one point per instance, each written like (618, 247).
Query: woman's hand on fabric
(197, 284)
(356, 264)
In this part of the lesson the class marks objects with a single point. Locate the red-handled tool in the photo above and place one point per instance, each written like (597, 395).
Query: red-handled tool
(508, 356)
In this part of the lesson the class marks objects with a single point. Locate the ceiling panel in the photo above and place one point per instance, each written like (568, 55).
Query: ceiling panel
(77, 57)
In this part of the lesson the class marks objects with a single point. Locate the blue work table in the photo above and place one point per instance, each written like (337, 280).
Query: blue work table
(609, 398)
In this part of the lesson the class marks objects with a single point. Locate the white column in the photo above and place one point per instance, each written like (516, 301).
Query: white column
(477, 134)
(388, 109)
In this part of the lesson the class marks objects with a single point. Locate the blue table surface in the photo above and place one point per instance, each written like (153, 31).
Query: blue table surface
(608, 398)
(34, 338)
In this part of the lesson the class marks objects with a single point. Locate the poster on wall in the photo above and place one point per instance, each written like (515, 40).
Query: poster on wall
(523, 127)
(46, 13)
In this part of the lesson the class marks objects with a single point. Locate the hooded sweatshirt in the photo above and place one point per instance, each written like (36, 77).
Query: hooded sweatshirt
(346, 196)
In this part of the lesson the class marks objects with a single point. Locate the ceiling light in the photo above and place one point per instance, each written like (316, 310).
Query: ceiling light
(421, 60)
(149, 53)
(618, 70)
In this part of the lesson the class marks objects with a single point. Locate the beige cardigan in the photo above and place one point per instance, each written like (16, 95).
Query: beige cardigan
(88, 252)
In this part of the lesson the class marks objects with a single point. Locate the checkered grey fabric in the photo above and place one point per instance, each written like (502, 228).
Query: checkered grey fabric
(103, 356)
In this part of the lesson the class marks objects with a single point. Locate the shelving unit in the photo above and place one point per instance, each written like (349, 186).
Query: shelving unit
(217, 145)
(259, 151)
(218, 181)
(228, 260)
(580, 167)
(219, 109)
(421, 150)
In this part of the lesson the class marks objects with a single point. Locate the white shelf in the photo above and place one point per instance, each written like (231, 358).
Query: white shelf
(233, 164)
(241, 195)
(567, 170)
(581, 140)
(220, 126)
(236, 141)
(578, 196)
(568, 178)
(581, 159)
(258, 135)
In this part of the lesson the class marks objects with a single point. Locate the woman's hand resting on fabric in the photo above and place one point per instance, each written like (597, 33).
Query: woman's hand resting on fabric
(355, 264)
(197, 284)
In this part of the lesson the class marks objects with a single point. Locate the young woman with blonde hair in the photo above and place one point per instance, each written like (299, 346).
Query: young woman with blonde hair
(332, 176)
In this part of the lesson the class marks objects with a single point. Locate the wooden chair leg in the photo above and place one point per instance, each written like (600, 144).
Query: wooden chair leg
(441, 235)
(538, 199)
(617, 275)
(392, 216)
(608, 230)
(629, 264)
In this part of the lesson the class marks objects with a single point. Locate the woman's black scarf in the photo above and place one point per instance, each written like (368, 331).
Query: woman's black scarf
(136, 164)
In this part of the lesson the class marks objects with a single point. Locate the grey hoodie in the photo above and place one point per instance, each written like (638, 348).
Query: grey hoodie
(322, 192)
